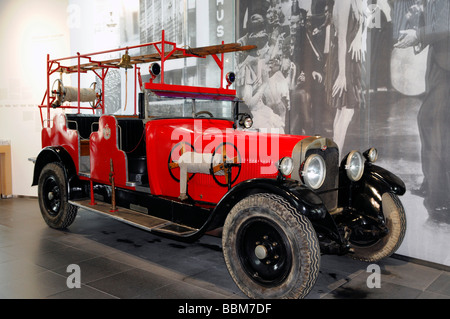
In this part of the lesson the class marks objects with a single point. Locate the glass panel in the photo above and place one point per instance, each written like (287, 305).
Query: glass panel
(190, 23)
(171, 108)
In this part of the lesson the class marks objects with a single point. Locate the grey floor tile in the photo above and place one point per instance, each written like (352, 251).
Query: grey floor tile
(29, 248)
(131, 284)
(96, 268)
(432, 295)
(17, 270)
(84, 292)
(40, 286)
(407, 274)
(138, 262)
(330, 279)
(357, 288)
(61, 258)
(182, 290)
(216, 279)
(120, 261)
(441, 285)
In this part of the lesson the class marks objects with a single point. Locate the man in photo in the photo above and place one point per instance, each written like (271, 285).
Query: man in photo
(434, 114)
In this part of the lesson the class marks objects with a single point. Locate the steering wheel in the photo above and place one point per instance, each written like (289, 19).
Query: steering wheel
(178, 150)
(203, 112)
(226, 166)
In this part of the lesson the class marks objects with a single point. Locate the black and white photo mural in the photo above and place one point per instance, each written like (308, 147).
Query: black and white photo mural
(284, 77)
(365, 73)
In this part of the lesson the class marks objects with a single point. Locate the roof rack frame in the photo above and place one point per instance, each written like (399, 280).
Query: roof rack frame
(161, 55)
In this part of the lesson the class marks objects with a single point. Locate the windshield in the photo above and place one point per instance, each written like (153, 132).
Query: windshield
(171, 108)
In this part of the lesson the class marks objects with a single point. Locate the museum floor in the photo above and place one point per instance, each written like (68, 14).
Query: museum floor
(123, 262)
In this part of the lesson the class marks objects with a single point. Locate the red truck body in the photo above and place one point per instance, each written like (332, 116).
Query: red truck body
(281, 200)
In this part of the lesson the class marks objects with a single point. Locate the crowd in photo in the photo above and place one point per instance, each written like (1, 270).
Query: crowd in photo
(307, 74)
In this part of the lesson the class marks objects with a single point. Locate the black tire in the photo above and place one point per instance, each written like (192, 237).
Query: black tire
(53, 201)
(270, 249)
(395, 219)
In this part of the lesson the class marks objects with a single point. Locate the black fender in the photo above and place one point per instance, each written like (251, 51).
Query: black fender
(383, 180)
(305, 200)
(366, 194)
(58, 154)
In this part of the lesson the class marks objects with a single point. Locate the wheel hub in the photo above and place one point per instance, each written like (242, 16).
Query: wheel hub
(261, 252)
(52, 196)
(264, 252)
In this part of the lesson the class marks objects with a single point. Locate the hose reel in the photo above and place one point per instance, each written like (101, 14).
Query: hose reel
(62, 94)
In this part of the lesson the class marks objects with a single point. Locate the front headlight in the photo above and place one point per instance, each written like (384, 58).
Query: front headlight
(248, 122)
(286, 166)
(354, 166)
(314, 171)
(245, 121)
(371, 154)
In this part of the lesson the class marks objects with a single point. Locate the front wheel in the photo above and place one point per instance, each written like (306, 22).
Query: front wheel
(270, 249)
(395, 221)
(52, 192)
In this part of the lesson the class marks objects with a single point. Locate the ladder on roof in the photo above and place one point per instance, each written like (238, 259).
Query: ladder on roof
(165, 50)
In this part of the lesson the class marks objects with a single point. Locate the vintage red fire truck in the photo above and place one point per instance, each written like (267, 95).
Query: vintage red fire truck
(280, 200)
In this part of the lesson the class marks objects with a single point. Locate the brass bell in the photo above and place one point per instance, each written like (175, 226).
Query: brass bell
(125, 61)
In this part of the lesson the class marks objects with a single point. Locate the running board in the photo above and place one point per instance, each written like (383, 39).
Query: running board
(140, 220)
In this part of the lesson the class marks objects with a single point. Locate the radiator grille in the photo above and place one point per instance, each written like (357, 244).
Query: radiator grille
(329, 190)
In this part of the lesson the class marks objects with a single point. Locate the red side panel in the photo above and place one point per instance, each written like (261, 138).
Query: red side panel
(104, 148)
(257, 153)
(60, 135)
(166, 139)
(163, 137)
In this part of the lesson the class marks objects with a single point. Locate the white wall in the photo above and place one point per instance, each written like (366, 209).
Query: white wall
(29, 30)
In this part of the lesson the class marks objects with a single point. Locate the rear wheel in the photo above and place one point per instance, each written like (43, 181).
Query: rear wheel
(395, 221)
(270, 249)
(53, 200)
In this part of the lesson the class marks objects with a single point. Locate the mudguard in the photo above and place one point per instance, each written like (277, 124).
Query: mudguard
(53, 154)
(376, 181)
(60, 155)
(383, 180)
(301, 197)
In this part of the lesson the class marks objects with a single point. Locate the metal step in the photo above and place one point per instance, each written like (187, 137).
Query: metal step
(137, 219)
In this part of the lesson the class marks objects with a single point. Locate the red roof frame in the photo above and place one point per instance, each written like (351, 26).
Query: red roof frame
(101, 68)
